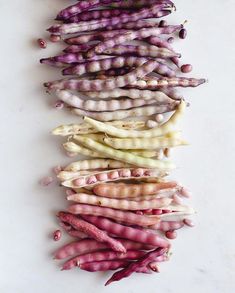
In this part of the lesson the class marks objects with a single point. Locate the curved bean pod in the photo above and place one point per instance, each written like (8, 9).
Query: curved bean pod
(80, 7)
(124, 156)
(99, 106)
(118, 215)
(99, 85)
(116, 62)
(90, 245)
(72, 232)
(155, 10)
(121, 114)
(104, 255)
(119, 204)
(120, 190)
(127, 232)
(96, 164)
(142, 262)
(156, 131)
(132, 35)
(91, 230)
(144, 143)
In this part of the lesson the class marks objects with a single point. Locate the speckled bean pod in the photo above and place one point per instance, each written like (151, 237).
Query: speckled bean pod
(80, 7)
(99, 106)
(119, 204)
(127, 232)
(118, 215)
(78, 149)
(156, 131)
(132, 35)
(125, 156)
(106, 176)
(167, 225)
(71, 28)
(116, 62)
(121, 114)
(120, 190)
(109, 84)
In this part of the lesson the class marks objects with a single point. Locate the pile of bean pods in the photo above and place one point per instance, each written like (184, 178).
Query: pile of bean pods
(120, 64)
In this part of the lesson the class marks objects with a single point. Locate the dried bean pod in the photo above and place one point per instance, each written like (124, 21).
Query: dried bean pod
(121, 114)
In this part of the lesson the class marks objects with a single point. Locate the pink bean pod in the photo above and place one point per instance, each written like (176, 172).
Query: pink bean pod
(101, 256)
(89, 245)
(120, 190)
(167, 225)
(117, 215)
(91, 230)
(99, 85)
(154, 10)
(80, 7)
(127, 232)
(72, 232)
(142, 262)
(120, 204)
(108, 265)
(129, 36)
(154, 265)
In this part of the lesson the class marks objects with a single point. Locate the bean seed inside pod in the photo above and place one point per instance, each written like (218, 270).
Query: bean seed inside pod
(125, 173)
(114, 175)
(91, 180)
(138, 172)
(102, 176)
(79, 181)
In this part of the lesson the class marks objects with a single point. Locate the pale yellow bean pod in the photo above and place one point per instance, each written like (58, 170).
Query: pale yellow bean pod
(156, 131)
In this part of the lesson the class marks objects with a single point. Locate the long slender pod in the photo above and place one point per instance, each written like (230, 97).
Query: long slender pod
(99, 85)
(118, 215)
(124, 156)
(122, 114)
(119, 204)
(128, 232)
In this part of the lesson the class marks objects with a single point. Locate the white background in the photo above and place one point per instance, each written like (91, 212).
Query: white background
(204, 257)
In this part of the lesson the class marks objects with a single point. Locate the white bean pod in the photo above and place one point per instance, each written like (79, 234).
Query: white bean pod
(96, 164)
(176, 216)
(179, 208)
(160, 97)
(125, 156)
(120, 204)
(144, 143)
(156, 131)
(85, 128)
(76, 180)
(97, 106)
(121, 114)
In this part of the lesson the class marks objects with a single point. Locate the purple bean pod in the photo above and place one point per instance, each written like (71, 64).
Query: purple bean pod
(52, 62)
(153, 11)
(142, 262)
(133, 25)
(140, 3)
(99, 85)
(96, 14)
(129, 36)
(80, 7)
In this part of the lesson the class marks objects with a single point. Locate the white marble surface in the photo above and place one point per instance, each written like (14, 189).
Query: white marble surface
(204, 257)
